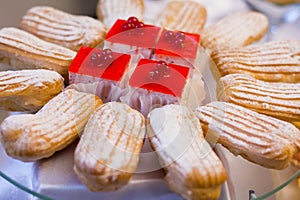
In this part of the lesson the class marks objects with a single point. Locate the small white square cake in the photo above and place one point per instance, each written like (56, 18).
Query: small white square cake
(132, 37)
(101, 72)
(155, 83)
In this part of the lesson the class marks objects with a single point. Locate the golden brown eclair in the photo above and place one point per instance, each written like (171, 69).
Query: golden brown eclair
(64, 29)
(108, 151)
(192, 168)
(29, 137)
(261, 139)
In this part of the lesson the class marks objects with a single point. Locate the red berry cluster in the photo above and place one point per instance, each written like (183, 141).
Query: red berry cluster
(133, 23)
(161, 70)
(102, 58)
(176, 38)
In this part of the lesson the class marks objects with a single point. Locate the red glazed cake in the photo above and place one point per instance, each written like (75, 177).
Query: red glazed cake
(102, 72)
(156, 83)
(178, 47)
(132, 37)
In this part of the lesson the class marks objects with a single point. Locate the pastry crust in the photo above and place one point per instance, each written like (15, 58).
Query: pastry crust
(21, 50)
(108, 11)
(187, 16)
(67, 30)
(192, 168)
(30, 137)
(28, 90)
(235, 30)
(263, 140)
(279, 100)
(108, 151)
(284, 1)
(275, 61)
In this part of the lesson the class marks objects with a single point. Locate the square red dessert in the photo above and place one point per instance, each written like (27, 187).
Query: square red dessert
(132, 37)
(156, 83)
(177, 47)
(102, 72)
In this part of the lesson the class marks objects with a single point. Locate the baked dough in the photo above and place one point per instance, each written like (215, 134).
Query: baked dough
(261, 139)
(56, 26)
(28, 90)
(108, 11)
(30, 137)
(21, 50)
(279, 100)
(235, 30)
(275, 61)
(187, 16)
(108, 151)
(192, 168)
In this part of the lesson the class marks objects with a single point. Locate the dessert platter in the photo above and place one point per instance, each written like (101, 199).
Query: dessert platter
(135, 104)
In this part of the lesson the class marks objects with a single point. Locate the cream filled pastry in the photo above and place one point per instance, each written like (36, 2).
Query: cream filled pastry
(59, 27)
(30, 137)
(192, 168)
(22, 50)
(28, 90)
(108, 151)
(261, 139)
(275, 61)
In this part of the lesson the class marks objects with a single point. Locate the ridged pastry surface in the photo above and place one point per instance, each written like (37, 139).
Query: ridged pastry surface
(188, 16)
(59, 27)
(264, 140)
(28, 90)
(22, 50)
(108, 11)
(193, 169)
(108, 152)
(29, 137)
(235, 30)
(280, 100)
(276, 61)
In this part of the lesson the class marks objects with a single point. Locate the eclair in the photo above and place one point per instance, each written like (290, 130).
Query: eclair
(192, 168)
(260, 139)
(28, 90)
(30, 137)
(188, 16)
(108, 151)
(64, 29)
(279, 100)
(235, 30)
(275, 61)
(22, 50)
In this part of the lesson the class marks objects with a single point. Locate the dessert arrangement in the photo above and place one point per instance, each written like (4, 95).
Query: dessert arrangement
(118, 81)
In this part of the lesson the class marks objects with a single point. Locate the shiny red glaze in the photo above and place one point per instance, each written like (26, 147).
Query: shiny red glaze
(117, 35)
(172, 85)
(82, 65)
(189, 50)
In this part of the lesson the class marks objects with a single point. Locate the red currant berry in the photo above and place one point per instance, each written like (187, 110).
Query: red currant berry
(107, 51)
(127, 26)
(154, 74)
(169, 36)
(108, 59)
(132, 20)
(140, 25)
(179, 43)
(96, 58)
(180, 35)
(161, 65)
(167, 71)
